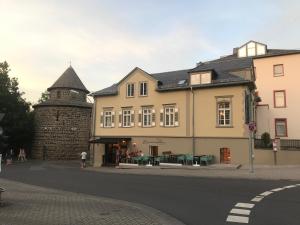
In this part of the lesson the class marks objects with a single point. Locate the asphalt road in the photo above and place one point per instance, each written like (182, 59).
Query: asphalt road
(192, 200)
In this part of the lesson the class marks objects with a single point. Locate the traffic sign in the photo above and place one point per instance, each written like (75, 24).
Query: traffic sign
(252, 126)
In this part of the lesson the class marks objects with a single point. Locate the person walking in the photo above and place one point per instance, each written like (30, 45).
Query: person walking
(83, 158)
(22, 155)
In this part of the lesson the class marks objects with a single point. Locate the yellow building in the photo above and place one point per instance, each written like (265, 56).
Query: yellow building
(200, 111)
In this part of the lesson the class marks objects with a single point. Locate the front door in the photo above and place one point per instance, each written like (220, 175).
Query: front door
(154, 150)
(110, 155)
(225, 155)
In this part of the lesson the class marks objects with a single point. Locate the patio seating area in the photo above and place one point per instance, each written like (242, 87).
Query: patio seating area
(169, 158)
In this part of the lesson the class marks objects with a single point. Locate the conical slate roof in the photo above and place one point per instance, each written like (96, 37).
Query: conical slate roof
(69, 79)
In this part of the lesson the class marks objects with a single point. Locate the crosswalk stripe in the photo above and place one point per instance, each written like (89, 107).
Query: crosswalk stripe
(241, 211)
(237, 219)
(257, 199)
(291, 186)
(245, 205)
(277, 189)
(266, 193)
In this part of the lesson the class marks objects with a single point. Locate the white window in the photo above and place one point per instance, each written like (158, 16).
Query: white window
(107, 119)
(169, 116)
(205, 78)
(279, 99)
(126, 118)
(143, 89)
(201, 78)
(224, 114)
(278, 70)
(195, 79)
(280, 127)
(147, 117)
(130, 90)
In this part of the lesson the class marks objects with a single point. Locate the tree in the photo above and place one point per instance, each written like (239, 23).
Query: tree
(44, 97)
(18, 123)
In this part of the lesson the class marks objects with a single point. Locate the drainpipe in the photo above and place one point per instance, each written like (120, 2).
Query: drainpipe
(193, 120)
(251, 134)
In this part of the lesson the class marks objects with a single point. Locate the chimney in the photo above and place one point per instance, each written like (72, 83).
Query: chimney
(235, 50)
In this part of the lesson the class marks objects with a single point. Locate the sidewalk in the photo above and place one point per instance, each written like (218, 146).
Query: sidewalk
(32, 205)
(266, 172)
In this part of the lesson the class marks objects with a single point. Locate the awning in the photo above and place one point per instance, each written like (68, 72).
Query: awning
(110, 140)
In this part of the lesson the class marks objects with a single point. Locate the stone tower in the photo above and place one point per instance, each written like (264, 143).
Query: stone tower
(62, 123)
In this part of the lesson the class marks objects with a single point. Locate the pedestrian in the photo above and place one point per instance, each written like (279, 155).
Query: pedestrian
(9, 156)
(22, 155)
(83, 158)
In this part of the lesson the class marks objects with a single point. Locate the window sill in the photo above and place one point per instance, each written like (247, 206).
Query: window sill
(229, 126)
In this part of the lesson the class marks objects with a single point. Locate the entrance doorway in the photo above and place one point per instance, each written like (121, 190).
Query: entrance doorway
(225, 155)
(154, 150)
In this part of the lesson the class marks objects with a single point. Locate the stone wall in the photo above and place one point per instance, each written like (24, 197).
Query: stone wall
(61, 133)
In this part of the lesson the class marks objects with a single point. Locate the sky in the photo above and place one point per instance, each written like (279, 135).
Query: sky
(104, 40)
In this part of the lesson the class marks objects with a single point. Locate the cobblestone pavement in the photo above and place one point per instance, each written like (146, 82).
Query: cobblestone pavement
(32, 205)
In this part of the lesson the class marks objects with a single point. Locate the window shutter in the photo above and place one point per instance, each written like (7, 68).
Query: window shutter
(132, 118)
(120, 118)
(153, 117)
(161, 123)
(140, 118)
(112, 119)
(101, 119)
(176, 117)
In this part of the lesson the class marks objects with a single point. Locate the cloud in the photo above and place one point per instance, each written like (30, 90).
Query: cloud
(39, 40)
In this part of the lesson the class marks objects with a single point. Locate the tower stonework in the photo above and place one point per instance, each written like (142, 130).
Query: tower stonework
(62, 123)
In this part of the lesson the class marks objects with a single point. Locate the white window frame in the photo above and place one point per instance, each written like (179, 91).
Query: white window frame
(126, 118)
(147, 112)
(106, 116)
(221, 122)
(143, 88)
(130, 90)
(274, 70)
(169, 114)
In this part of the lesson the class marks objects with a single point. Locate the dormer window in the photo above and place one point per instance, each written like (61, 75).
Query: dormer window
(201, 78)
(252, 48)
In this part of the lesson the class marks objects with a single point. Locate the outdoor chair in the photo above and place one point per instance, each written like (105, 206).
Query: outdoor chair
(189, 159)
(181, 159)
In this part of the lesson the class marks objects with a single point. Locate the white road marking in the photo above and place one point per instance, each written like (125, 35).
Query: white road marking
(277, 189)
(291, 186)
(245, 205)
(266, 193)
(241, 211)
(237, 219)
(257, 199)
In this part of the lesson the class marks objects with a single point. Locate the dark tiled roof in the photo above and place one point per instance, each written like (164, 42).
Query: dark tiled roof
(112, 90)
(67, 103)
(278, 52)
(221, 68)
(69, 79)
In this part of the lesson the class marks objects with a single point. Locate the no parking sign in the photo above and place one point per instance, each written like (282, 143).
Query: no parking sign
(252, 126)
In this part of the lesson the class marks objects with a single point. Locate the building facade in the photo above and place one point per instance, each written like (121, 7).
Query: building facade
(62, 123)
(199, 111)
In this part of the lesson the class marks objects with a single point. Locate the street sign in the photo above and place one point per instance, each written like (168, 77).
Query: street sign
(252, 126)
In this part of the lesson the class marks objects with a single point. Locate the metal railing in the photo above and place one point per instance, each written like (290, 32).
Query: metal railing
(290, 144)
(285, 144)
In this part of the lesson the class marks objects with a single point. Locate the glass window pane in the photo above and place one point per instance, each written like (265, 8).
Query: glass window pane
(278, 70)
